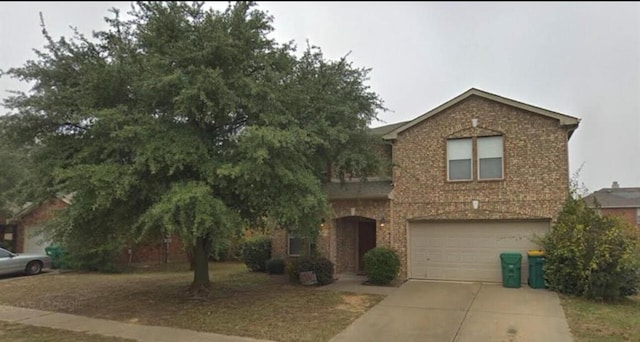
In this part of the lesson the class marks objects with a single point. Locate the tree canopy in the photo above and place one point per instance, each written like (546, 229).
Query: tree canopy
(182, 119)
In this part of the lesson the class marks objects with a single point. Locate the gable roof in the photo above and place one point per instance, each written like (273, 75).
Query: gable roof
(28, 207)
(565, 120)
(382, 130)
(615, 198)
(374, 189)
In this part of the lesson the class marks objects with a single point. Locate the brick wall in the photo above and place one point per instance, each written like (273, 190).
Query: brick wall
(279, 243)
(535, 168)
(627, 214)
(346, 232)
(152, 251)
(340, 232)
(336, 240)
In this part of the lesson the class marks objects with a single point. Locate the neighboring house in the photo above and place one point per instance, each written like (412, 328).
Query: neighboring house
(478, 175)
(27, 237)
(7, 233)
(617, 201)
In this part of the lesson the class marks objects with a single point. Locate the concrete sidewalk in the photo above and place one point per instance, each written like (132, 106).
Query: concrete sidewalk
(110, 328)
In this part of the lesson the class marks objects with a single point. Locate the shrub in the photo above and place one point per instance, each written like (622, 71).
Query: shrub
(92, 254)
(255, 253)
(275, 266)
(226, 249)
(589, 255)
(631, 282)
(382, 265)
(322, 267)
(101, 259)
(292, 270)
(219, 250)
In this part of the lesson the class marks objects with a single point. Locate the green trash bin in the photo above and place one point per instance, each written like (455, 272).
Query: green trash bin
(57, 255)
(54, 253)
(511, 269)
(536, 273)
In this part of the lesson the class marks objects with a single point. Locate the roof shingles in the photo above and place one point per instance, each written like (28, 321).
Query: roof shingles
(615, 198)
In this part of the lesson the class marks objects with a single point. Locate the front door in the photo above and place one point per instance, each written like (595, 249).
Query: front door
(366, 241)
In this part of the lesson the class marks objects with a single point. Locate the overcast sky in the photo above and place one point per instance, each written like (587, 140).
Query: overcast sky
(580, 59)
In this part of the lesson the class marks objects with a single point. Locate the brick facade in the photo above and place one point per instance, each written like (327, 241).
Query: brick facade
(341, 232)
(337, 238)
(536, 168)
(279, 244)
(154, 251)
(534, 185)
(629, 215)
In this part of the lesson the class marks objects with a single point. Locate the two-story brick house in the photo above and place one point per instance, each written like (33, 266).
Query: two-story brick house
(478, 175)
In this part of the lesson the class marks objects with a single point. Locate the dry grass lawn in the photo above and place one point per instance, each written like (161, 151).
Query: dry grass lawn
(242, 303)
(603, 322)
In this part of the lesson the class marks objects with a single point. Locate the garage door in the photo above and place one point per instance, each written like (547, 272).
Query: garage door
(468, 251)
(34, 243)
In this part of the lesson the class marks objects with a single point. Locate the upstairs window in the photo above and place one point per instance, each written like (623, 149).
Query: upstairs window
(459, 157)
(490, 159)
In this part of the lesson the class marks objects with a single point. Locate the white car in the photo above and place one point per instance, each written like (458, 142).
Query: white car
(23, 263)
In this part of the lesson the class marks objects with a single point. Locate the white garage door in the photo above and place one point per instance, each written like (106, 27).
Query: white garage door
(34, 243)
(469, 251)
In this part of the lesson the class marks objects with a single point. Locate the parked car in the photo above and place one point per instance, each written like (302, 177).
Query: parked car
(28, 264)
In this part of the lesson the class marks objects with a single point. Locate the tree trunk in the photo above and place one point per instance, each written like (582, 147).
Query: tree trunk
(190, 259)
(201, 281)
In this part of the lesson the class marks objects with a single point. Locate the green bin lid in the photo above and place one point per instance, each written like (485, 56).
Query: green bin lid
(511, 257)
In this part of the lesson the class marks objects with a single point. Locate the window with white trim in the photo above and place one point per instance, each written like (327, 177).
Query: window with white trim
(459, 159)
(490, 161)
(638, 216)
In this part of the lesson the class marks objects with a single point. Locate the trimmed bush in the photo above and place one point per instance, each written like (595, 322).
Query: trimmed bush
(322, 267)
(589, 255)
(255, 253)
(382, 265)
(275, 266)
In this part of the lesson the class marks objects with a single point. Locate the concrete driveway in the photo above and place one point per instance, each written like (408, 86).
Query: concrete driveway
(439, 311)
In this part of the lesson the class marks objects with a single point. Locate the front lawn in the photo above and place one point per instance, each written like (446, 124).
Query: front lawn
(242, 303)
(595, 321)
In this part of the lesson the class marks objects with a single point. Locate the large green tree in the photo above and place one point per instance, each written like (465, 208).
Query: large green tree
(17, 176)
(12, 172)
(182, 119)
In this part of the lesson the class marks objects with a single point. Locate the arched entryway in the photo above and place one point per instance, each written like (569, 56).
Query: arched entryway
(355, 236)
